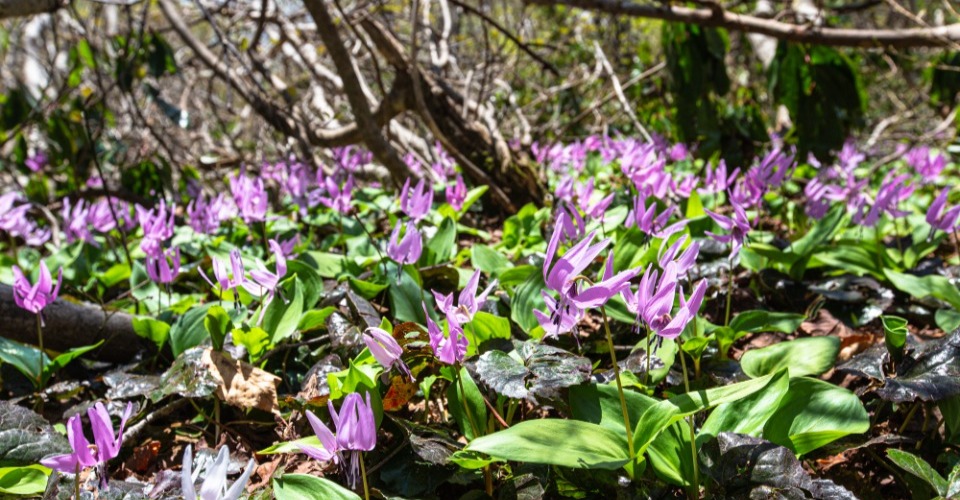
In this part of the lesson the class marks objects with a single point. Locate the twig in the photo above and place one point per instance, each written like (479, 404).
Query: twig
(618, 90)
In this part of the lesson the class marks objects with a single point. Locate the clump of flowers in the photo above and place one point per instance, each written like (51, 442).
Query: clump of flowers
(106, 444)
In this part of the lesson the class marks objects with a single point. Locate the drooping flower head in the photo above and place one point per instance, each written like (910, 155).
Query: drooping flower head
(35, 297)
(36, 162)
(157, 227)
(224, 280)
(356, 431)
(107, 445)
(416, 202)
(468, 302)
(336, 197)
(738, 227)
(939, 216)
(385, 349)
(215, 485)
(264, 283)
(456, 193)
(408, 249)
(165, 268)
(250, 197)
(450, 349)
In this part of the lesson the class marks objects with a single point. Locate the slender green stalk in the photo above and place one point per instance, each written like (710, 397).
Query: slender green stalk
(695, 492)
(616, 373)
(40, 383)
(906, 421)
(363, 475)
(646, 374)
(726, 316)
(263, 235)
(463, 399)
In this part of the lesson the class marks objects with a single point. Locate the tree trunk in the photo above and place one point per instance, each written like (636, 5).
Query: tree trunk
(20, 8)
(73, 325)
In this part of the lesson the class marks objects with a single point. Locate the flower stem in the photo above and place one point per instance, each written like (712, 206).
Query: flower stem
(695, 492)
(726, 316)
(616, 373)
(363, 475)
(646, 374)
(463, 399)
(40, 383)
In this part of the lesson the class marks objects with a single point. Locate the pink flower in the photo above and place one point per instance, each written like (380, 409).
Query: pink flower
(385, 349)
(468, 302)
(416, 202)
(456, 193)
(165, 268)
(408, 249)
(34, 298)
(356, 432)
(107, 446)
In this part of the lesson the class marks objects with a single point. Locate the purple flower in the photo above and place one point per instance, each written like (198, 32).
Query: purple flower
(653, 302)
(416, 203)
(717, 180)
(595, 209)
(107, 446)
(444, 166)
(227, 281)
(939, 217)
(250, 197)
(36, 162)
(926, 163)
(351, 158)
(214, 487)
(818, 198)
(647, 219)
(570, 223)
(456, 193)
(450, 349)
(738, 225)
(263, 282)
(157, 227)
(406, 250)
(101, 214)
(206, 216)
(338, 198)
(165, 268)
(385, 349)
(686, 260)
(561, 277)
(14, 221)
(678, 152)
(34, 298)
(75, 225)
(559, 318)
(468, 302)
(356, 432)
(892, 191)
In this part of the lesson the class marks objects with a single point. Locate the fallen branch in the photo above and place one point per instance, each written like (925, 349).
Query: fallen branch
(71, 325)
(940, 36)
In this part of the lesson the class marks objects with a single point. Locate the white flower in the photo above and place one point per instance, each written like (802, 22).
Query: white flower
(214, 487)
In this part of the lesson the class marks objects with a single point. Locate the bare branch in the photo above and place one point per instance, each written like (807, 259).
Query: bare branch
(940, 36)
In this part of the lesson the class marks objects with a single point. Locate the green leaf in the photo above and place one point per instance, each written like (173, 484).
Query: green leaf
(306, 487)
(484, 327)
(953, 483)
(920, 468)
(663, 414)
(600, 404)
(488, 260)
(756, 321)
(815, 413)
(65, 358)
(367, 289)
(748, 415)
(218, 324)
(937, 286)
(442, 246)
(189, 330)
(311, 284)
(22, 357)
(670, 456)
(804, 356)
(29, 480)
(567, 443)
(894, 335)
(291, 446)
(281, 317)
(405, 296)
(474, 399)
(314, 319)
(526, 298)
(327, 265)
(152, 329)
(254, 339)
(472, 196)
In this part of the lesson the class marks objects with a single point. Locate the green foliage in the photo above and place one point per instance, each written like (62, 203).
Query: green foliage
(306, 487)
(820, 88)
(801, 357)
(944, 77)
